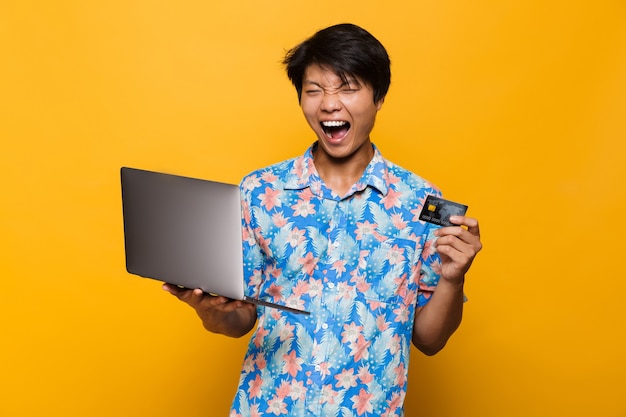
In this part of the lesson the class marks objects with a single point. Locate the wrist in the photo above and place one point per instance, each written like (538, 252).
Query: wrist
(452, 283)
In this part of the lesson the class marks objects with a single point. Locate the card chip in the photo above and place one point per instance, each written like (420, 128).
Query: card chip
(438, 210)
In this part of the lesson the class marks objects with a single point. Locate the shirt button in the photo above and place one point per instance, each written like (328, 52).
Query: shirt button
(324, 326)
(331, 285)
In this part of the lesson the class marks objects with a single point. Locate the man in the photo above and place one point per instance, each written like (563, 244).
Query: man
(336, 232)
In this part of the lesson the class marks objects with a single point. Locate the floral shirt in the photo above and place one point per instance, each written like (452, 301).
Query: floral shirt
(360, 264)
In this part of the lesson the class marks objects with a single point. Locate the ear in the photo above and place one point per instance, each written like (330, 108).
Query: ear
(379, 103)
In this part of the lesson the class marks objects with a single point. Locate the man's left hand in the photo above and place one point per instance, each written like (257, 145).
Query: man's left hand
(457, 247)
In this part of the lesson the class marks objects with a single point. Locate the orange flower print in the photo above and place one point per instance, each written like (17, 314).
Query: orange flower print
(277, 406)
(346, 379)
(245, 210)
(296, 237)
(381, 323)
(365, 228)
(268, 176)
(339, 266)
(392, 199)
(286, 332)
(276, 291)
(362, 402)
(294, 301)
(416, 213)
(360, 283)
(260, 362)
(254, 411)
(303, 208)
(395, 402)
(396, 255)
(402, 314)
(394, 344)
(301, 288)
(270, 199)
(315, 288)
(265, 245)
(292, 364)
(359, 349)
(255, 387)
(251, 182)
(309, 263)
(400, 372)
(324, 369)
(284, 390)
(248, 364)
(298, 391)
(429, 249)
(350, 332)
(278, 219)
(328, 394)
(390, 178)
(260, 334)
(306, 194)
(398, 221)
(365, 375)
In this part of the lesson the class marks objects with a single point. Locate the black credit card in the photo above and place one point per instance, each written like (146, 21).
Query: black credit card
(438, 211)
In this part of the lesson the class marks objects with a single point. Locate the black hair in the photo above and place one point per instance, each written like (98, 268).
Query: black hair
(346, 49)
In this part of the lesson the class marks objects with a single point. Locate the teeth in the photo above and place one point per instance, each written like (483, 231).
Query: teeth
(333, 123)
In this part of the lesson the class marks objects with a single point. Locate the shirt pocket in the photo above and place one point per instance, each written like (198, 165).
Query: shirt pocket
(385, 268)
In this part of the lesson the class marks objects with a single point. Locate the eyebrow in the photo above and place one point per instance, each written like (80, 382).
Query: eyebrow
(343, 84)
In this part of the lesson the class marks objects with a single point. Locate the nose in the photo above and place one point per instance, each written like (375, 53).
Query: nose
(330, 102)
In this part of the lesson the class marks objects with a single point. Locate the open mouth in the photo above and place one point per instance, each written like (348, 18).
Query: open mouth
(335, 129)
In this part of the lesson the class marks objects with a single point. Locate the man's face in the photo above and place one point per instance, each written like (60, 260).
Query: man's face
(341, 114)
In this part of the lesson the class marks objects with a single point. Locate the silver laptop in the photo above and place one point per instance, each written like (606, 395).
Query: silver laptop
(185, 231)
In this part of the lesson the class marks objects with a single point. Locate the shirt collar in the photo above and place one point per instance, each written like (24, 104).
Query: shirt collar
(304, 175)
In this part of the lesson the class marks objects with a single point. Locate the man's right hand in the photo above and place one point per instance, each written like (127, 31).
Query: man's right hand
(219, 314)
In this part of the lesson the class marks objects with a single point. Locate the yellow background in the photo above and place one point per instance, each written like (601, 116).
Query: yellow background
(516, 108)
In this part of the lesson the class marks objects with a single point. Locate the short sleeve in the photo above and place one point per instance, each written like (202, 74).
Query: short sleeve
(253, 258)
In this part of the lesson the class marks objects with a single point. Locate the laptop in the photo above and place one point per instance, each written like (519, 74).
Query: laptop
(185, 231)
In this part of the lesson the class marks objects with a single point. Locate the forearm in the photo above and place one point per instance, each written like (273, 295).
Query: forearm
(437, 321)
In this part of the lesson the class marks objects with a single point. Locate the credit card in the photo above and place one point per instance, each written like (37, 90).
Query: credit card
(438, 211)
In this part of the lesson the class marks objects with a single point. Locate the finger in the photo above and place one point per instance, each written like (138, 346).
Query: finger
(211, 301)
(461, 240)
(175, 290)
(199, 299)
(193, 297)
(457, 253)
(232, 305)
(455, 232)
(450, 245)
(470, 222)
(455, 248)
(471, 235)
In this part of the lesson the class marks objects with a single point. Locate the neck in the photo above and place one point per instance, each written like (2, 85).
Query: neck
(340, 174)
